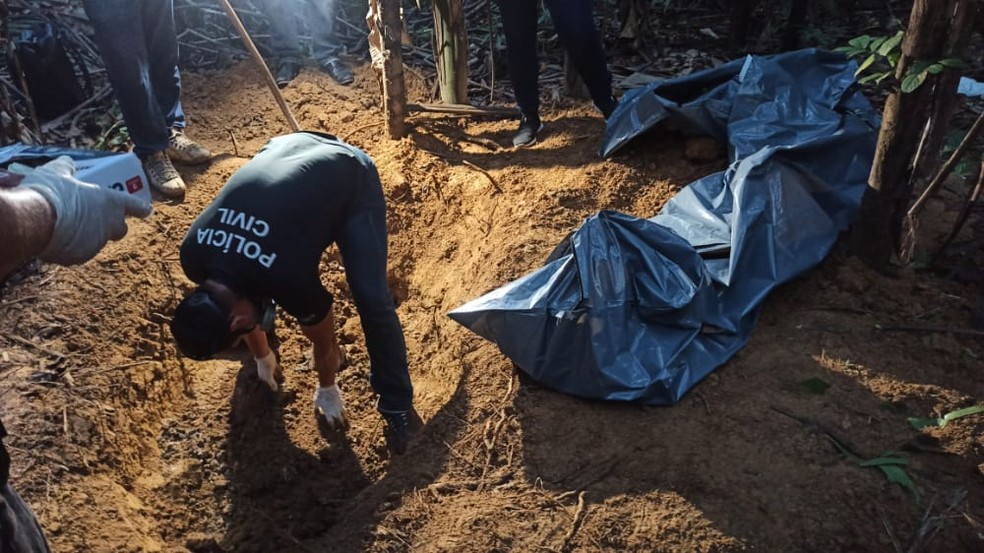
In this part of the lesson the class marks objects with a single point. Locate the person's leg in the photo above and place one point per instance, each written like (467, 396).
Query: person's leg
(321, 23)
(120, 36)
(362, 244)
(574, 21)
(285, 37)
(165, 79)
(519, 26)
(284, 29)
(119, 31)
(162, 49)
(326, 49)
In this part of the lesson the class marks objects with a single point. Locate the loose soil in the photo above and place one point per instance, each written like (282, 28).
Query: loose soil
(120, 444)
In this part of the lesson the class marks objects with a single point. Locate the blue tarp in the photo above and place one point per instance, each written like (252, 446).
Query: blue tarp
(642, 309)
(33, 155)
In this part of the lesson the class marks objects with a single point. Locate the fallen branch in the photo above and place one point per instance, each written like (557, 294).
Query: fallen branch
(235, 143)
(972, 197)
(363, 127)
(464, 109)
(575, 524)
(18, 300)
(55, 123)
(484, 172)
(117, 367)
(820, 428)
(930, 329)
(944, 171)
(26, 342)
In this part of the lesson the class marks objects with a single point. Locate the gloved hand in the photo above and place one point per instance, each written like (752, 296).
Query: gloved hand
(328, 402)
(266, 368)
(86, 216)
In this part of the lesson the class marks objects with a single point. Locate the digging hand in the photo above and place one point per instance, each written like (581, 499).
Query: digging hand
(86, 216)
(266, 368)
(328, 402)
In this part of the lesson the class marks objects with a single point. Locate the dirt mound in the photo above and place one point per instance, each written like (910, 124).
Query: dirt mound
(122, 445)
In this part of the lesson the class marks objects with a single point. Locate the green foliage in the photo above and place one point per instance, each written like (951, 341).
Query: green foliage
(967, 165)
(920, 423)
(827, 35)
(881, 55)
(815, 385)
(891, 463)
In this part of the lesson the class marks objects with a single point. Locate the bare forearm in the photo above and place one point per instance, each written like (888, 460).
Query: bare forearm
(26, 224)
(327, 353)
(257, 342)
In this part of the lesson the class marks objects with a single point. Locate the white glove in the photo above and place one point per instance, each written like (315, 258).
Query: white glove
(266, 368)
(328, 402)
(86, 216)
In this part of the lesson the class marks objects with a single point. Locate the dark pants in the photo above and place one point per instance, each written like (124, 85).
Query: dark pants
(140, 52)
(362, 243)
(285, 28)
(19, 530)
(573, 20)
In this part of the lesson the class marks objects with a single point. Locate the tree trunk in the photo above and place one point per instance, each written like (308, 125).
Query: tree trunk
(574, 86)
(876, 234)
(451, 51)
(394, 91)
(945, 100)
(794, 24)
(741, 18)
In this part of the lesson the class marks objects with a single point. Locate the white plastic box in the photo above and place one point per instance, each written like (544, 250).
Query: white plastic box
(122, 172)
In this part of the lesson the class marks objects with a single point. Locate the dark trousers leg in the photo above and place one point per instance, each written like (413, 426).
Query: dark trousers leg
(363, 247)
(19, 530)
(137, 71)
(574, 22)
(519, 26)
(284, 28)
(321, 21)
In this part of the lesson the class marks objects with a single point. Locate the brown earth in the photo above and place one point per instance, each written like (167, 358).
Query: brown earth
(119, 444)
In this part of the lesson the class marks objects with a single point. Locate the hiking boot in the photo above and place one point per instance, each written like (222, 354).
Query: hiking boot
(186, 150)
(529, 127)
(400, 429)
(338, 71)
(162, 175)
(286, 72)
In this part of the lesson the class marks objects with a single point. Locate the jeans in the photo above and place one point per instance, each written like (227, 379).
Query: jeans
(286, 29)
(574, 22)
(362, 243)
(140, 51)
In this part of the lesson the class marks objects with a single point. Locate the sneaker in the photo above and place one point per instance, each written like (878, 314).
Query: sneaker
(286, 72)
(529, 127)
(338, 71)
(162, 175)
(186, 150)
(401, 429)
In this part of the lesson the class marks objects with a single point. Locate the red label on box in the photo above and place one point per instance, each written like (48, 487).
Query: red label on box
(133, 185)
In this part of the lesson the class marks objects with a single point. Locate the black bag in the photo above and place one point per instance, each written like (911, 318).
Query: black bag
(19, 529)
(50, 65)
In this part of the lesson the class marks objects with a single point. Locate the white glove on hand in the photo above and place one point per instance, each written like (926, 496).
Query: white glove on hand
(328, 402)
(266, 368)
(86, 216)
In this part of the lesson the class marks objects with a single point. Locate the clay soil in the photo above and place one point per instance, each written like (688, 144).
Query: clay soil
(120, 444)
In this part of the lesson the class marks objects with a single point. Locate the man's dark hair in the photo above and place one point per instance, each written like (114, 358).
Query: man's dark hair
(201, 326)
